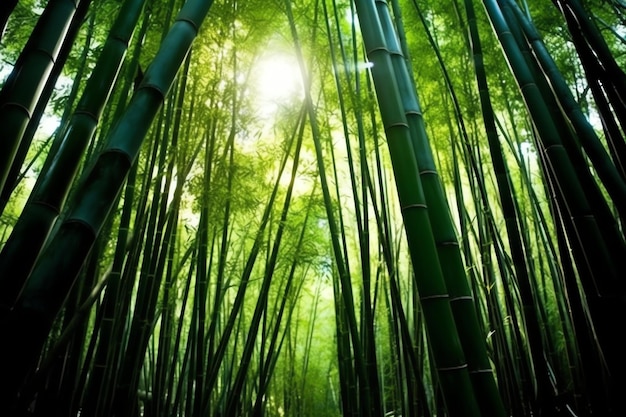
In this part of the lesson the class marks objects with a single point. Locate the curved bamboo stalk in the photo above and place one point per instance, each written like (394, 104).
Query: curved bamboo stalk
(462, 301)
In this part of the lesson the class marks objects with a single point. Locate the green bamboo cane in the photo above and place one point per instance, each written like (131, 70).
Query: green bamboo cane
(592, 364)
(178, 395)
(516, 243)
(312, 318)
(179, 361)
(276, 339)
(220, 280)
(595, 284)
(124, 294)
(235, 316)
(231, 354)
(578, 20)
(612, 132)
(111, 299)
(53, 184)
(567, 275)
(519, 342)
(402, 382)
(167, 352)
(360, 198)
(251, 335)
(597, 263)
(55, 382)
(200, 292)
(341, 263)
(500, 167)
(164, 242)
(588, 137)
(414, 398)
(505, 348)
(450, 362)
(486, 229)
(22, 89)
(369, 391)
(559, 162)
(206, 355)
(481, 230)
(346, 290)
(225, 167)
(207, 358)
(63, 258)
(447, 246)
(159, 233)
(17, 172)
(613, 237)
(69, 332)
(350, 396)
(537, 217)
(602, 73)
(587, 315)
(347, 375)
(366, 398)
(162, 381)
(564, 325)
(414, 368)
(68, 368)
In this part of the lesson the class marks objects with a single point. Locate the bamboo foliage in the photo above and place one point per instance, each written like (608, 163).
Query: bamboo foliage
(396, 232)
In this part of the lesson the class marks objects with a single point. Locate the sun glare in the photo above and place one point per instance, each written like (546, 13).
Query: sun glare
(278, 79)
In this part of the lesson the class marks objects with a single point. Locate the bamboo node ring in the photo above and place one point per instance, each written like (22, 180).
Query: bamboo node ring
(452, 368)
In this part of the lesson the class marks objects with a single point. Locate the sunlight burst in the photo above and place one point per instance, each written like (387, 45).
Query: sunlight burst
(278, 79)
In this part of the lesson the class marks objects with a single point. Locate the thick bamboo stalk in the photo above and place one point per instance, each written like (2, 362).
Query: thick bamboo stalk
(59, 264)
(61, 167)
(450, 362)
(22, 89)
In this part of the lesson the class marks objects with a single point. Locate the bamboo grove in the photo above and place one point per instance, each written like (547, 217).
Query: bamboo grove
(312, 208)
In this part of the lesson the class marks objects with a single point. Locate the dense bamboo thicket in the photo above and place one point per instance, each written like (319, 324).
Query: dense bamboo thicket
(312, 208)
